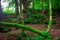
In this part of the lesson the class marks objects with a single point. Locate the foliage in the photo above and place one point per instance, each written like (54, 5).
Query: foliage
(8, 11)
(34, 18)
(53, 21)
(38, 5)
(58, 38)
(4, 29)
(55, 4)
(35, 37)
(42, 5)
(10, 8)
(11, 20)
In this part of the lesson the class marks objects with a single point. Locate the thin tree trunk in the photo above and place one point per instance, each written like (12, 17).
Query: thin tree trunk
(50, 21)
(21, 17)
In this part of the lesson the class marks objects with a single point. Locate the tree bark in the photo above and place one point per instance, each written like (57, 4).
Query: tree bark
(16, 8)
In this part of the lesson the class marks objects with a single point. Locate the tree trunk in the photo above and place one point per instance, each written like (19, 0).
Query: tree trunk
(16, 8)
(0, 9)
(50, 21)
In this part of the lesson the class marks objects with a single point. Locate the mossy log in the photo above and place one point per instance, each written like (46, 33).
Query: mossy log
(25, 27)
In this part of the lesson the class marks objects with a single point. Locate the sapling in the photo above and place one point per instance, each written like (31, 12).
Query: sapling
(50, 11)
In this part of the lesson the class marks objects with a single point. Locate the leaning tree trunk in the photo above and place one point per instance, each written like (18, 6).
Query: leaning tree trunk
(50, 11)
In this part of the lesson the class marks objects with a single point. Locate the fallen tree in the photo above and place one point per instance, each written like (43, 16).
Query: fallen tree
(25, 27)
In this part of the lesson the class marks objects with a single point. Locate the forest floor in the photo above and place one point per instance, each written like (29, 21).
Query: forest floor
(55, 33)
